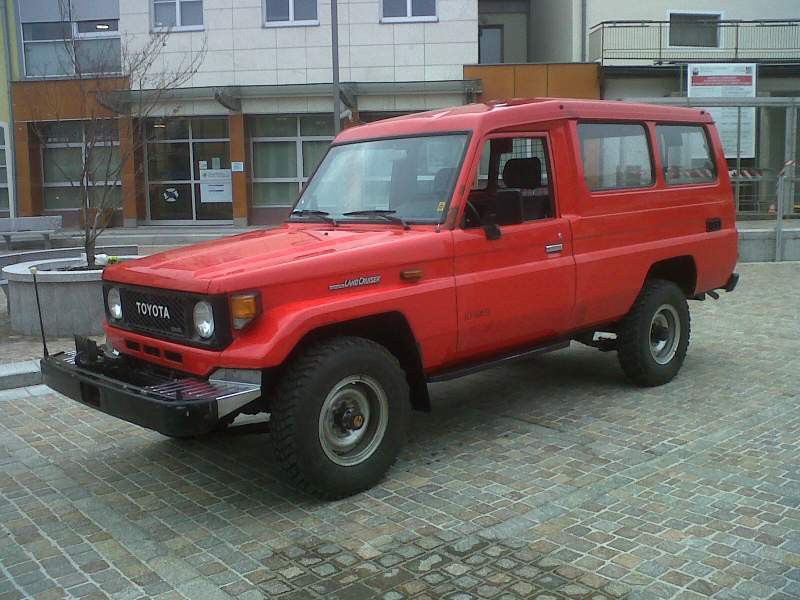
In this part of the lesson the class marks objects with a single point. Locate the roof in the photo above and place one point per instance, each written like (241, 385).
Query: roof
(491, 116)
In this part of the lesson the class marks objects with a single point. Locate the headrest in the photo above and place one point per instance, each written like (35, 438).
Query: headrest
(523, 173)
(443, 179)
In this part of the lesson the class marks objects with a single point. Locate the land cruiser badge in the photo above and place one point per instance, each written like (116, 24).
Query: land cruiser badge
(356, 282)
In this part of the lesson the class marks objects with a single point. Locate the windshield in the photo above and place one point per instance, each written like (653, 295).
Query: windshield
(409, 178)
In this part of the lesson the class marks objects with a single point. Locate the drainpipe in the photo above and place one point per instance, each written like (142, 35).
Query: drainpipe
(10, 146)
(584, 29)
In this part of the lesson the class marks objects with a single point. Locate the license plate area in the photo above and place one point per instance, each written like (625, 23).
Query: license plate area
(90, 394)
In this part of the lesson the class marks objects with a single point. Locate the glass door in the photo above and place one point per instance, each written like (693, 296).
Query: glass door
(189, 171)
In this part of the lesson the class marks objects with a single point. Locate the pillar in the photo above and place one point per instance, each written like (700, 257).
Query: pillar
(28, 171)
(130, 193)
(239, 181)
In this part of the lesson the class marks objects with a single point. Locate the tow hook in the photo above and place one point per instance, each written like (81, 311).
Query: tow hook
(350, 419)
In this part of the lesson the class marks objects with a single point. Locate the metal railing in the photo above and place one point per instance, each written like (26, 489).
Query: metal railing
(641, 42)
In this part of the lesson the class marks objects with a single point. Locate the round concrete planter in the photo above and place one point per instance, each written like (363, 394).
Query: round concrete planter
(72, 301)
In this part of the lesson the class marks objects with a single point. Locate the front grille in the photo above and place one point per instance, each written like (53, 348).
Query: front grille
(155, 313)
(168, 315)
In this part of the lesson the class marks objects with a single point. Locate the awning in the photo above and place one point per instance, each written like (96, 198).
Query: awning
(231, 96)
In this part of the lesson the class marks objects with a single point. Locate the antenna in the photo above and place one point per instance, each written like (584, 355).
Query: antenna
(34, 270)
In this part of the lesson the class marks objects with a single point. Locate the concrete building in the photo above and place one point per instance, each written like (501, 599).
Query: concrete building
(256, 116)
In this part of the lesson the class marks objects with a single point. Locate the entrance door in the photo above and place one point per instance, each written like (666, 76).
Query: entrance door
(521, 287)
(189, 171)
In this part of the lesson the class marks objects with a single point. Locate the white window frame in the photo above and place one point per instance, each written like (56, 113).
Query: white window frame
(298, 138)
(178, 27)
(76, 36)
(291, 22)
(703, 13)
(82, 145)
(409, 18)
(9, 167)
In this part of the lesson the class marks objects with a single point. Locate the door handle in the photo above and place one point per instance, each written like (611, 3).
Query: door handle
(554, 248)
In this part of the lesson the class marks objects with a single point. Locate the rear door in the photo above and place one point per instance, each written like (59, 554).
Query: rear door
(519, 288)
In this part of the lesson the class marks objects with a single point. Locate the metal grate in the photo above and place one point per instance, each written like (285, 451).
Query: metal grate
(143, 310)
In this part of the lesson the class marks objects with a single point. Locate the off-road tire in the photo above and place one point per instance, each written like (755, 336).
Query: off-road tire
(634, 331)
(298, 402)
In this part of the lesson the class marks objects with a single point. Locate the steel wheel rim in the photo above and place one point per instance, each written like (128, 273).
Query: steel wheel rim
(347, 447)
(665, 334)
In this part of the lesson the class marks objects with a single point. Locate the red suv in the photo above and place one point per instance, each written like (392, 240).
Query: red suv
(423, 248)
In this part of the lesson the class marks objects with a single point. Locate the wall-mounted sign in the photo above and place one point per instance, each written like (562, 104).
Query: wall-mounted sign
(728, 80)
(215, 186)
(237, 166)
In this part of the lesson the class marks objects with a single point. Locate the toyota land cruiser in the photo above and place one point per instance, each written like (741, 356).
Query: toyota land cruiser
(423, 248)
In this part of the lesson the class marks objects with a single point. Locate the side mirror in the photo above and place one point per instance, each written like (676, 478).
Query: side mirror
(492, 231)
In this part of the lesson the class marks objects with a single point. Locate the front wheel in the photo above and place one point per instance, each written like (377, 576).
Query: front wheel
(340, 416)
(653, 338)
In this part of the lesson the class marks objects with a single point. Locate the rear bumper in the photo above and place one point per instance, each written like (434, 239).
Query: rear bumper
(183, 407)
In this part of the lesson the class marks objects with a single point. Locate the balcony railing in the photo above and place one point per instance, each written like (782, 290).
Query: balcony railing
(648, 42)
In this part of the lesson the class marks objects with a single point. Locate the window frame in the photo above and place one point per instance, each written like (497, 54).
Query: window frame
(699, 13)
(192, 181)
(75, 37)
(409, 16)
(654, 176)
(299, 139)
(290, 22)
(82, 145)
(178, 27)
(661, 158)
(8, 166)
(474, 175)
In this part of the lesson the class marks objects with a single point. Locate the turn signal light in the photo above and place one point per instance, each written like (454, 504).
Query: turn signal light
(244, 308)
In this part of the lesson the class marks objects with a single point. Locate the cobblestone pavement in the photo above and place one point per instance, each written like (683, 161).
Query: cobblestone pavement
(552, 479)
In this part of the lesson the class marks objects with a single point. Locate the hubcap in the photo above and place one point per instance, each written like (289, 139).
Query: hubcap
(665, 334)
(353, 420)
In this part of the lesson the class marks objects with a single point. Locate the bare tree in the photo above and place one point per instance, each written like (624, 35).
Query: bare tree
(117, 88)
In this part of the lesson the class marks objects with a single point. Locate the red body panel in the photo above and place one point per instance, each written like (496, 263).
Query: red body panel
(476, 297)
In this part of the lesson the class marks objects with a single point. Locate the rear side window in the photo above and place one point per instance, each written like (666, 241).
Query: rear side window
(615, 156)
(685, 154)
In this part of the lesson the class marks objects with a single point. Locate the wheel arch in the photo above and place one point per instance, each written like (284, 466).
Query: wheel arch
(392, 331)
(681, 270)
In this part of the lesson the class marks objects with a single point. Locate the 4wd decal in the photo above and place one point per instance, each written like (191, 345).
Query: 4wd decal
(356, 282)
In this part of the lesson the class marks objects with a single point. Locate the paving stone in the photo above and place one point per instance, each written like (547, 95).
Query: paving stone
(554, 478)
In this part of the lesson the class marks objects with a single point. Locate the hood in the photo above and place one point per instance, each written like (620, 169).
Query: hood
(203, 268)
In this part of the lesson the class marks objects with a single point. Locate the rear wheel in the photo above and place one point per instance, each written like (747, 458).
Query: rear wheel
(653, 338)
(340, 416)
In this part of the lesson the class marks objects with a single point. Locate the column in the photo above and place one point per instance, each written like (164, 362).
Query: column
(239, 183)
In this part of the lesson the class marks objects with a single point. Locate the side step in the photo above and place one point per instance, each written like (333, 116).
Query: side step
(503, 359)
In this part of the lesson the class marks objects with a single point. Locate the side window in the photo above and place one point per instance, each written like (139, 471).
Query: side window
(512, 183)
(685, 154)
(615, 156)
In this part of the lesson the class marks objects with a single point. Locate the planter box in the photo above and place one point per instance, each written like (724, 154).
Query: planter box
(72, 301)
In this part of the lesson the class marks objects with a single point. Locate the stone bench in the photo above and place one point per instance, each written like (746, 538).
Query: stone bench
(26, 228)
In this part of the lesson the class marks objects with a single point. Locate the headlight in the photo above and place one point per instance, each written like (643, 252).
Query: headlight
(114, 304)
(204, 319)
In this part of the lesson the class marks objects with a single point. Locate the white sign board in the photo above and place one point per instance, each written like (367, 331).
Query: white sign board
(728, 80)
(215, 186)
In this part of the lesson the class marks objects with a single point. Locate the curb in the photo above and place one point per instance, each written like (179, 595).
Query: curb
(20, 374)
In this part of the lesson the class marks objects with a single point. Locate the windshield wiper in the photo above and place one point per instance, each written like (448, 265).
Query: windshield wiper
(320, 214)
(388, 215)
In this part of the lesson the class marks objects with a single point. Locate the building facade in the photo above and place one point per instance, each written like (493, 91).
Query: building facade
(8, 58)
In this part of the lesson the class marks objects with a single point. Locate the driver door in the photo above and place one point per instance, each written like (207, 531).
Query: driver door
(520, 288)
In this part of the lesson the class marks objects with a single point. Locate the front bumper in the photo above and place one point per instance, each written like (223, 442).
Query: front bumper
(176, 406)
